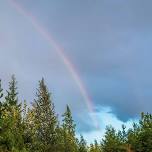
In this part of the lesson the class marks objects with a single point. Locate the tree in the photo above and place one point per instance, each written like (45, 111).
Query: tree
(44, 119)
(12, 93)
(95, 147)
(37, 129)
(132, 137)
(145, 134)
(11, 131)
(70, 141)
(82, 145)
(91, 148)
(111, 141)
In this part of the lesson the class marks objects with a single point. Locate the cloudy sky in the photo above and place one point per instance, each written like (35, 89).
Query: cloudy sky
(107, 41)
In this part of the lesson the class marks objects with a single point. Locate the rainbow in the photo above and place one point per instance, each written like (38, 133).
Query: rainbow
(62, 55)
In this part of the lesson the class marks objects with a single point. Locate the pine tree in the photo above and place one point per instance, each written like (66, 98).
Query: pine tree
(132, 137)
(97, 147)
(68, 122)
(111, 141)
(145, 134)
(82, 145)
(11, 98)
(45, 119)
(91, 148)
(11, 121)
(38, 129)
(70, 141)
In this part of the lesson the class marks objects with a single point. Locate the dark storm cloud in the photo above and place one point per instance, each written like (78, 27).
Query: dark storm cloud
(110, 43)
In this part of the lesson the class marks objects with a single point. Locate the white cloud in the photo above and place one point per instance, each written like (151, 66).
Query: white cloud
(105, 117)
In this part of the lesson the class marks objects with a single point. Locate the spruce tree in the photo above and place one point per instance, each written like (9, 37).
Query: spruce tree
(97, 147)
(11, 121)
(11, 98)
(111, 141)
(82, 145)
(92, 148)
(68, 122)
(70, 141)
(145, 134)
(45, 119)
(132, 137)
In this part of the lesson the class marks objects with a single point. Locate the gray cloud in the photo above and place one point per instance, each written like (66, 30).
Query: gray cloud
(108, 41)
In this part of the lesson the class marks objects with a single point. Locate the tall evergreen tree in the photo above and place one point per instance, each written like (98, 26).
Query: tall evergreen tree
(12, 93)
(45, 119)
(70, 141)
(11, 132)
(68, 122)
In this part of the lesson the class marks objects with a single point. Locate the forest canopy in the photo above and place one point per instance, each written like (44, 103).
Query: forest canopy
(36, 128)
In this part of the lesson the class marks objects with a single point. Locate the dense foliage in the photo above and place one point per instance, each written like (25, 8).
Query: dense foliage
(37, 129)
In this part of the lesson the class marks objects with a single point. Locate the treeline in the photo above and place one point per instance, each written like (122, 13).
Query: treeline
(37, 129)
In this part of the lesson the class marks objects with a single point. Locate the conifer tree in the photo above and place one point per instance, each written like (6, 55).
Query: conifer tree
(91, 148)
(82, 145)
(111, 141)
(45, 119)
(11, 121)
(37, 129)
(132, 136)
(97, 147)
(68, 122)
(12, 93)
(145, 134)
(70, 141)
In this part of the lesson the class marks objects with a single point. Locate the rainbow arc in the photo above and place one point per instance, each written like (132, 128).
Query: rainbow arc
(43, 32)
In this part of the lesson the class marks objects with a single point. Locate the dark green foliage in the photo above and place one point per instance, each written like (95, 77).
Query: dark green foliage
(68, 129)
(37, 129)
(96, 147)
(111, 142)
(133, 135)
(144, 138)
(82, 145)
(12, 93)
(44, 119)
(68, 122)
(11, 128)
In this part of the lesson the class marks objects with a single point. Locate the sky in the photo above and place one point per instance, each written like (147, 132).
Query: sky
(109, 44)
